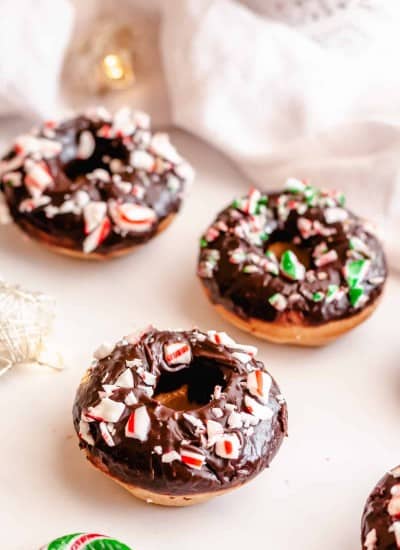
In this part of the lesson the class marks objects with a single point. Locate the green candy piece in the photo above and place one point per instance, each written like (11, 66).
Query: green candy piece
(355, 295)
(342, 199)
(203, 243)
(318, 296)
(332, 290)
(310, 194)
(355, 271)
(291, 266)
(86, 541)
(294, 186)
(236, 203)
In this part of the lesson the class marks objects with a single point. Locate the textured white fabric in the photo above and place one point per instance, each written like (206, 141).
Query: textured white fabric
(33, 38)
(285, 100)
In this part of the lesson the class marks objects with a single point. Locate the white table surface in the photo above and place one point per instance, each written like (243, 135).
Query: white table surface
(344, 403)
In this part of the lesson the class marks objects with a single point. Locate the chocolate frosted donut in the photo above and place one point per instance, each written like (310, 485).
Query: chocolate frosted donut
(292, 267)
(381, 518)
(179, 417)
(94, 186)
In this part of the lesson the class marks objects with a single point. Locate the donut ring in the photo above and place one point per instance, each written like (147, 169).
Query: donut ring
(179, 417)
(380, 524)
(95, 186)
(294, 267)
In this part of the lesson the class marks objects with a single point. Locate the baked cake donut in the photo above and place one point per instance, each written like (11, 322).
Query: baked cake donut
(381, 518)
(85, 541)
(94, 186)
(292, 267)
(179, 417)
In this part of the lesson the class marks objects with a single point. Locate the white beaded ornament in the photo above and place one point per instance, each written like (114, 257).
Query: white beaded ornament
(26, 321)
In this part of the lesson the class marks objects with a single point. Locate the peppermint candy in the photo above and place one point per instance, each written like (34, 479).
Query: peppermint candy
(161, 146)
(125, 379)
(88, 541)
(84, 432)
(86, 145)
(256, 409)
(259, 384)
(326, 258)
(193, 459)
(106, 411)
(177, 353)
(294, 185)
(28, 205)
(95, 239)
(93, 214)
(138, 425)
(291, 266)
(228, 447)
(37, 177)
(278, 301)
(106, 434)
(169, 457)
(221, 338)
(335, 215)
(132, 217)
(142, 160)
(131, 399)
(214, 432)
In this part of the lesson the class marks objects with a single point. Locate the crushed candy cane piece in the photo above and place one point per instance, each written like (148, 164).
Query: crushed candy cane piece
(293, 185)
(86, 145)
(235, 420)
(132, 217)
(97, 236)
(278, 301)
(335, 215)
(84, 432)
(138, 425)
(291, 266)
(131, 399)
(171, 456)
(214, 432)
(261, 412)
(37, 177)
(326, 258)
(125, 379)
(93, 214)
(107, 410)
(228, 447)
(242, 357)
(177, 353)
(259, 384)
(105, 432)
(193, 459)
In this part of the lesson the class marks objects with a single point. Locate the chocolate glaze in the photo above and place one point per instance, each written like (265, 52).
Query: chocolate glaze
(376, 521)
(140, 463)
(159, 187)
(247, 294)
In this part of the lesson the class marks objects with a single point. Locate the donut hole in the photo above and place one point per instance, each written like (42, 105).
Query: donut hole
(189, 388)
(279, 247)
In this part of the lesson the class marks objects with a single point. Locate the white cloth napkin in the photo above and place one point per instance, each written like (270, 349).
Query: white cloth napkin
(316, 100)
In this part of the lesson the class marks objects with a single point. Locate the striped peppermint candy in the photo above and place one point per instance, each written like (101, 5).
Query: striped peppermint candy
(138, 425)
(170, 456)
(259, 384)
(37, 178)
(193, 459)
(85, 541)
(228, 446)
(255, 408)
(106, 434)
(132, 217)
(93, 214)
(28, 205)
(97, 236)
(221, 338)
(177, 353)
(107, 410)
(84, 432)
(326, 258)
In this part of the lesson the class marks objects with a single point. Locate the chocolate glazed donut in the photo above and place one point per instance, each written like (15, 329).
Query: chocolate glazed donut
(94, 186)
(292, 267)
(179, 417)
(381, 518)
